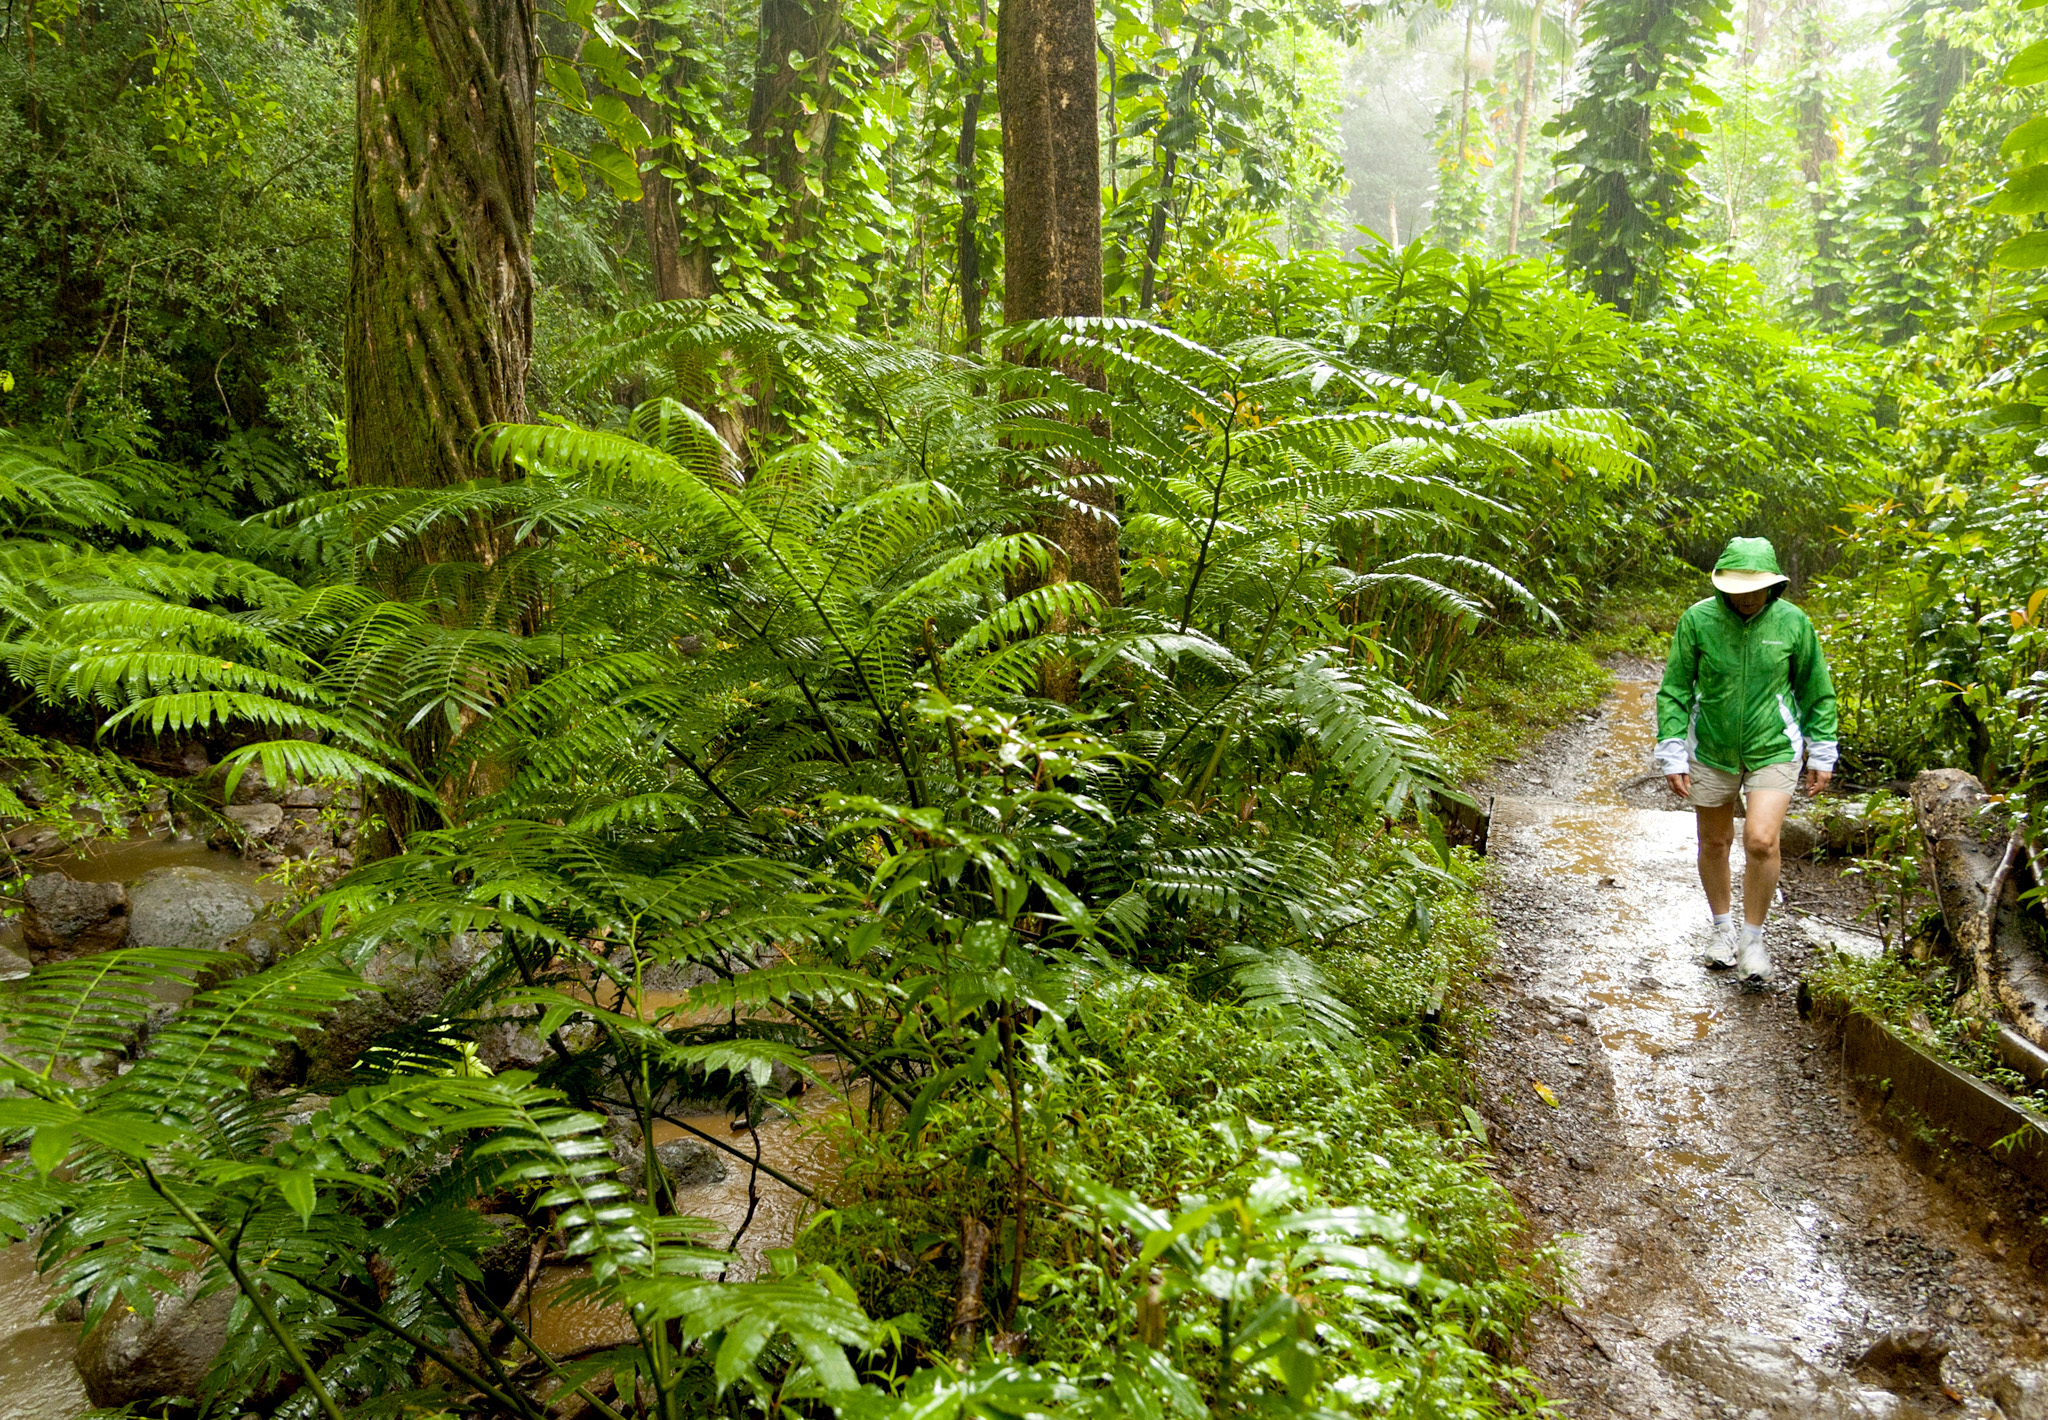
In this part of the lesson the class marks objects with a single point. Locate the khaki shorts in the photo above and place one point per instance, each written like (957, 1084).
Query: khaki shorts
(1713, 788)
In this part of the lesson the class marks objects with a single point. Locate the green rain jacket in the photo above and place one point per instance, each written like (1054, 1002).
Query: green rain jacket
(1740, 695)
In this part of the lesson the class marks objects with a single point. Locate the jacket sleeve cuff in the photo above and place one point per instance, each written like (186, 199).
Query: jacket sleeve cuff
(1672, 757)
(1822, 754)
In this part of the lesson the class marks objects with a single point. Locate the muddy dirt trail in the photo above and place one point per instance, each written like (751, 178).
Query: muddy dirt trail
(1735, 1232)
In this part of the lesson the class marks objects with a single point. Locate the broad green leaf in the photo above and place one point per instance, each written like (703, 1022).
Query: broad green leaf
(2023, 252)
(50, 1146)
(2029, 66)
(297, 1187)
(2025, 191)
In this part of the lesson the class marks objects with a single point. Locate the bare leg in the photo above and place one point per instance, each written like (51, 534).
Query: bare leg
(1760, 847)
(1717, 836)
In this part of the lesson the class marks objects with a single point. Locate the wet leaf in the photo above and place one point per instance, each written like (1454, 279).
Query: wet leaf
(1543, 1093)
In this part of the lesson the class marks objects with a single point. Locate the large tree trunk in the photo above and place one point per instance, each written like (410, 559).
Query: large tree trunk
(780, 133)
(439, 328)
(439, 325)
(1052, 221)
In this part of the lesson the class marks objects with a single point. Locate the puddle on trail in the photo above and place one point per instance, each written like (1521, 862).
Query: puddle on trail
(1667, 1026)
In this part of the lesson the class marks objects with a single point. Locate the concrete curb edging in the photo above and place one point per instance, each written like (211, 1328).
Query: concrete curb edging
(1895, 1070)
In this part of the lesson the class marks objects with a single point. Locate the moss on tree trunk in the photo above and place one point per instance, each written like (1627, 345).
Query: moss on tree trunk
(440, 310)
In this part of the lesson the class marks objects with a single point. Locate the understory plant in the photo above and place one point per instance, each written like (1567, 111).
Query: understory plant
(698, 786)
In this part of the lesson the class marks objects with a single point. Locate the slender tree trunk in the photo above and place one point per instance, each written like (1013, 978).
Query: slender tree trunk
(1813, 129)
(1155, 229)
(1522, 125)
(1052, 227)
(967, 265)
(1465, 94)
(1756, 30)
(681, 269)
(1176, 127)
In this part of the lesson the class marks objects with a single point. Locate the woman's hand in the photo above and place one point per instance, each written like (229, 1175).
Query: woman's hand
(1681, 784)
(1817, 780)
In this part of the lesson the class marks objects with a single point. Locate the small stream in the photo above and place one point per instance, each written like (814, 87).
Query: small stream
(38, 1380)
(795, 1143)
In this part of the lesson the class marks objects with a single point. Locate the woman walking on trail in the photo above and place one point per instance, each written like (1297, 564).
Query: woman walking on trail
(1746, 695)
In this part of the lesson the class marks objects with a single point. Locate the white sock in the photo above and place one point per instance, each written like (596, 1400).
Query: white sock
(1752, 932)
(1722, 919)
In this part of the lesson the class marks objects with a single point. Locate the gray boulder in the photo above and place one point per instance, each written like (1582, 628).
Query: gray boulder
(126, 1360)
(1765, 1373)
(2022, 1392)
(689, 1163)
(1801, 839)
(412, 984)
(13, 967)
(190, 907)
(254, 821)
(303, 835)
(63, 915)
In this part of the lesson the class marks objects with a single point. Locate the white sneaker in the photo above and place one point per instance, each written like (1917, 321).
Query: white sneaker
(1721, 941)
(1752, 962)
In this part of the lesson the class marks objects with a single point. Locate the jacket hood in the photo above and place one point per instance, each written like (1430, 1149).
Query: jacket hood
(1748, 564)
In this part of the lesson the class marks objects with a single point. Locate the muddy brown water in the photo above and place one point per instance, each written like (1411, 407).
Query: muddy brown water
(749, 1213)
(1705, 1165)
(38, 1380)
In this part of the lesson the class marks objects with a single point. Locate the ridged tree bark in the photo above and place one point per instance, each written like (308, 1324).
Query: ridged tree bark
(439, 326)
(1052, 220)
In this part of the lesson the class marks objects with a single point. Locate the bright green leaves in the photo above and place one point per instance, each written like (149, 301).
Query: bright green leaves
(2025, 251)
(1628, 189)
(2029, 66)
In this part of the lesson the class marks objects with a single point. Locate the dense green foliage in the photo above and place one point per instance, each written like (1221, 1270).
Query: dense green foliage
(741, 727)
(1630, 191)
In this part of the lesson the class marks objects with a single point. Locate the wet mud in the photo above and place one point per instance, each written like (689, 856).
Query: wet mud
(1706, 1171)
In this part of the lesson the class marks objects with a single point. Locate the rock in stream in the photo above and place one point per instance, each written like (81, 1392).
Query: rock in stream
(190, 907)
(65, 917)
